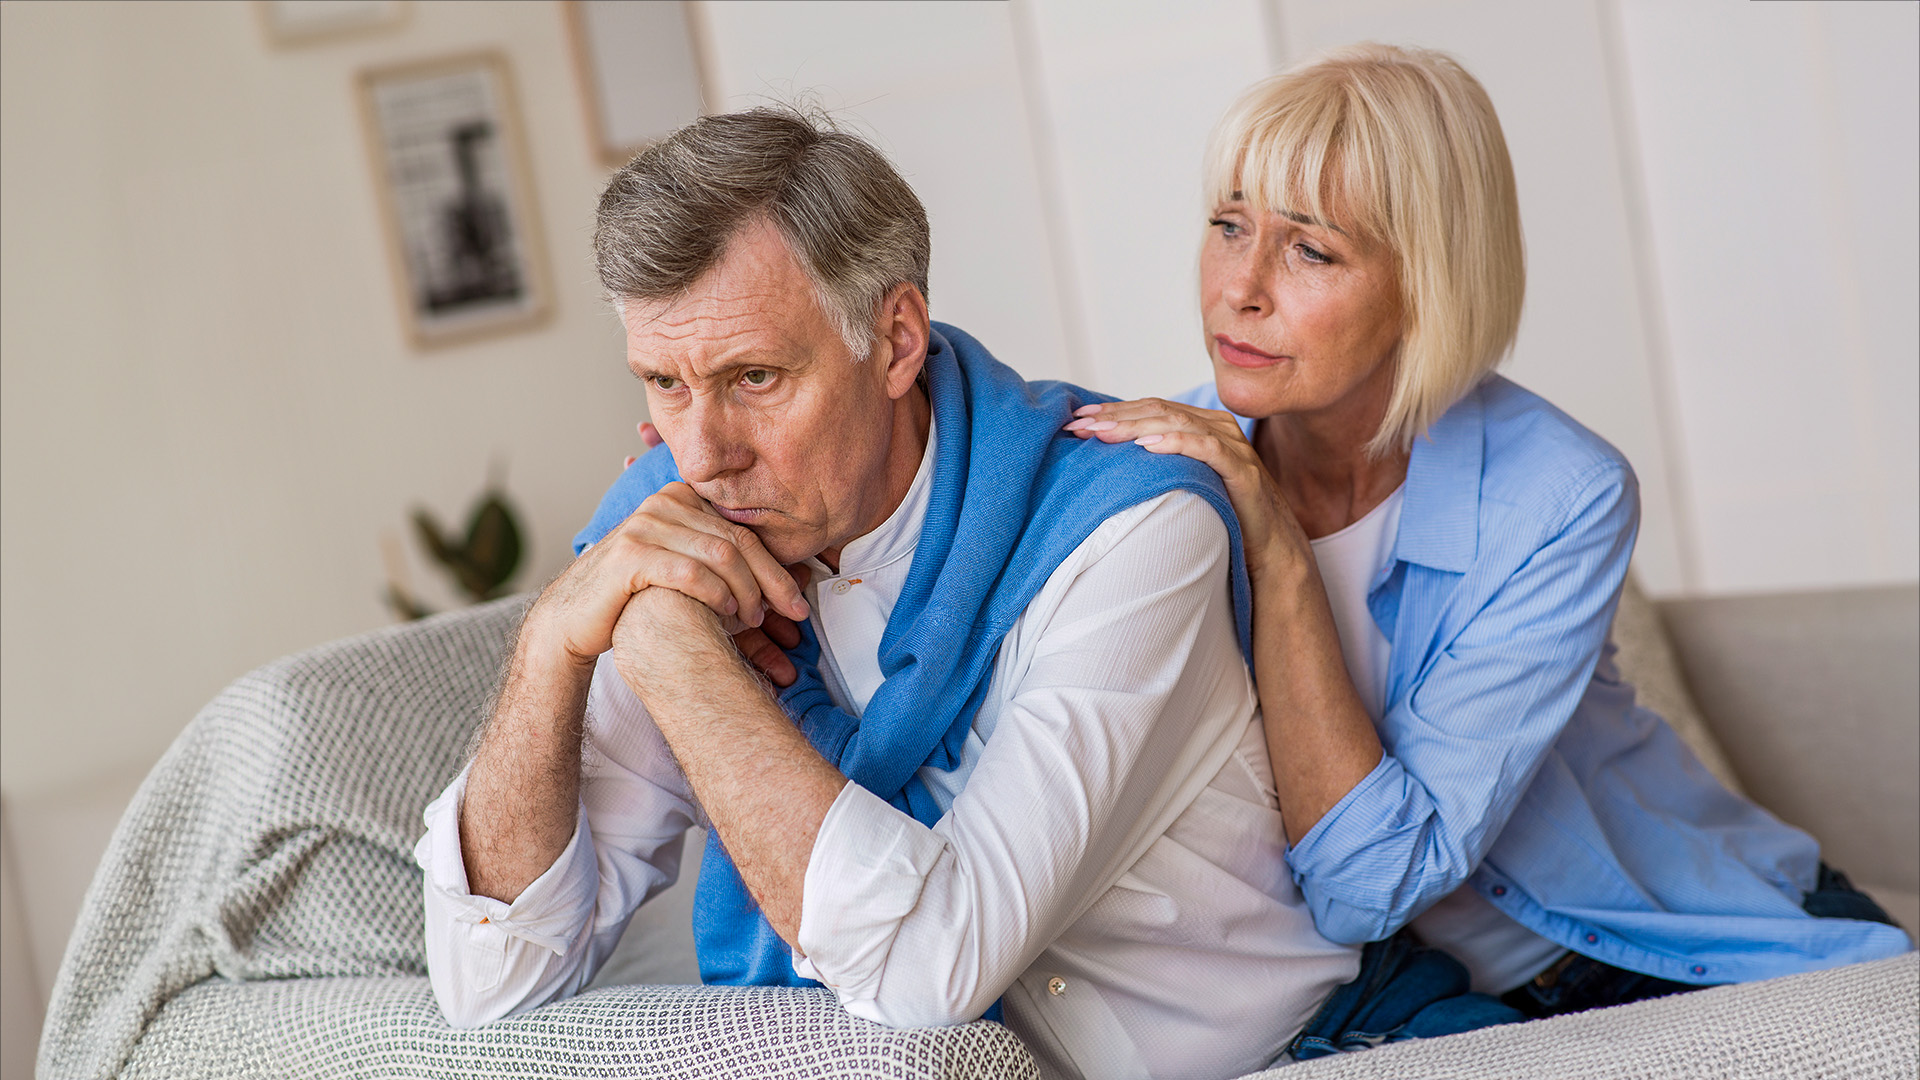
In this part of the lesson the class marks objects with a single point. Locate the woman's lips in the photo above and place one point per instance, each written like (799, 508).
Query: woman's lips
(1242, 355)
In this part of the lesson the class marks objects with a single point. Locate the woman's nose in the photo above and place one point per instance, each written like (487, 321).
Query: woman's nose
(1248, 287)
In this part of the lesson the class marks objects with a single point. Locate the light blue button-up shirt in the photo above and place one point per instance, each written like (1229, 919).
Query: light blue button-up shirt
(1517, 762)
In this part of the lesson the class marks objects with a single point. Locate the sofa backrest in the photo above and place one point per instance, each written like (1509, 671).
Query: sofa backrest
(1815, 698)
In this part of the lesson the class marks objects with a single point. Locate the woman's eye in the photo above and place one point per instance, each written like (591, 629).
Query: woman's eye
(665, 382)
(1312, 255)
(1227, 228)
(757, 377)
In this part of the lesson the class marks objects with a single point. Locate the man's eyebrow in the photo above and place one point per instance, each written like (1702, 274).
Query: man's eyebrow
(730, 368)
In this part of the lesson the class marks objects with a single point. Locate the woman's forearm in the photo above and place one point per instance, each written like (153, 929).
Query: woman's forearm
(1319, 736)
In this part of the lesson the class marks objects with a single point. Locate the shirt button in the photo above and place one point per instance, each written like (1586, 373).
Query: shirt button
(1499, 890)
(1056, 986)
(1593, 939)
(842, 585)
(1699, 969)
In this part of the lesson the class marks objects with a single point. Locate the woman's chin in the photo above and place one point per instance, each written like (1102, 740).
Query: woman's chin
(1250, 393)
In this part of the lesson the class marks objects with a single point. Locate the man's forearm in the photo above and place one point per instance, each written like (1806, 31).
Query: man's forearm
(523, 792)
(763, 786)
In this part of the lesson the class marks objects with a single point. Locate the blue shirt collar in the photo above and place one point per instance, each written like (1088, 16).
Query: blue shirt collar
(1440, 521)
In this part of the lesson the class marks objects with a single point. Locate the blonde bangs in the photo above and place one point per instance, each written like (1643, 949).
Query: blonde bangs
(1400, 146)
(1306, 156)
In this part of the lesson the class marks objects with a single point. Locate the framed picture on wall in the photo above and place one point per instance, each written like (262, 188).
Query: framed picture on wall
(640, 70)
(302, 22)
(450, 165)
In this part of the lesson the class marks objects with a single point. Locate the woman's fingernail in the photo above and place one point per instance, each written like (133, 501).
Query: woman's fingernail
(1077, 425)
(1086, 410)
(1148, 440)
(733, 606)
(1103, 425)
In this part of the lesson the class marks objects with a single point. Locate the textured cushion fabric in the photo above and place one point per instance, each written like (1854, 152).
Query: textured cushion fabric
(1853, 1023)
(261, 889)
(1646, 659)
(391, 1029)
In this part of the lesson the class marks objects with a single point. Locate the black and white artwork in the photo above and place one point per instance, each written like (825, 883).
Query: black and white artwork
(456, 194)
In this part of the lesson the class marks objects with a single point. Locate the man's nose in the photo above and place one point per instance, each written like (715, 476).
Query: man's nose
(709, 442)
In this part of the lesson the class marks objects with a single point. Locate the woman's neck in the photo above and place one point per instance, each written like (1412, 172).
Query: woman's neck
(1320, 462)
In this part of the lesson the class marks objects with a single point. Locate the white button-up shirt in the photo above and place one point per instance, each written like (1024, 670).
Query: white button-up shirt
(1111, 859)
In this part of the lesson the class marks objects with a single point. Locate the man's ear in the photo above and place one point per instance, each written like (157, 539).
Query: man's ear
(903, 326)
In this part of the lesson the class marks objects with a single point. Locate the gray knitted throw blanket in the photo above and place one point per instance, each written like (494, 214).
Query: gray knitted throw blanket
(258, 911)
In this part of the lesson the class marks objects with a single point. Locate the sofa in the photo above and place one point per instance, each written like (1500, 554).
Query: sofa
(257, 911)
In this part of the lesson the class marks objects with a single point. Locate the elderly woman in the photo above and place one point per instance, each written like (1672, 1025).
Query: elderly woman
(1436, 555)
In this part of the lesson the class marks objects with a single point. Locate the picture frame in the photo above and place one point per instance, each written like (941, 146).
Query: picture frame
(456, 194)
(303, 22)
(641, 69)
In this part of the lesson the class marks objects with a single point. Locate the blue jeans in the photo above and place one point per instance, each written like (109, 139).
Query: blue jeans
(1577, 983)
(1405, 990)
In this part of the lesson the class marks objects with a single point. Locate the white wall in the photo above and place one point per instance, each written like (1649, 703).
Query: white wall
(1780, 145)
(210, 414)
(938, 88)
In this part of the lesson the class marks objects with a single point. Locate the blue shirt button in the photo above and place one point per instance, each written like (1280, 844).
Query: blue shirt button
(1499, 890)
(1699, 969)
(1593, 939)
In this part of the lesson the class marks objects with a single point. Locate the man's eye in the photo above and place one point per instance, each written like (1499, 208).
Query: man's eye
(757, 377)
(665, 382)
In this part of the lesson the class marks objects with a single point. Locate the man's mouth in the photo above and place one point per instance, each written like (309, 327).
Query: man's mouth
(745, 515)
(1242, 355)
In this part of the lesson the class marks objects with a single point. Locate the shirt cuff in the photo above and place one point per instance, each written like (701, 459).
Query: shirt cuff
(868, 866)
(1343, 830)
(547, 913)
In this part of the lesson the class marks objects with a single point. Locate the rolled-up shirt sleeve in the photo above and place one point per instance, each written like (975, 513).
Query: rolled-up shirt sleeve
(1134, 696)
(1465, 741)
(487, 958)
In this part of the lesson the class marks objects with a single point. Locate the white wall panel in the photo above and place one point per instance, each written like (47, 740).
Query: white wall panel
(1779, 143)
(1583, 341)
(210, 414)
(937, 86)
(1131, 90)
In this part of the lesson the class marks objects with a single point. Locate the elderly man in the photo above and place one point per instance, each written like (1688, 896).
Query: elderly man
(1018, 765)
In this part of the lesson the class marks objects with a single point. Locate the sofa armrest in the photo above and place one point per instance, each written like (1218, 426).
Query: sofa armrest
(381, 1028)
(1856, 1021)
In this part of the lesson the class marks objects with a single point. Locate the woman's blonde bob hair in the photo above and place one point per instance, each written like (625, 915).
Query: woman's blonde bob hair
(1401, 146)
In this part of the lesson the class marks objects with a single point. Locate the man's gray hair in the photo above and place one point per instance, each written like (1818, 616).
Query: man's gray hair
(858, 229)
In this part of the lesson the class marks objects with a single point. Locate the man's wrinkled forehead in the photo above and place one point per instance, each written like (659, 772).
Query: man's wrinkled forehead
(755, 306)
(702, 338)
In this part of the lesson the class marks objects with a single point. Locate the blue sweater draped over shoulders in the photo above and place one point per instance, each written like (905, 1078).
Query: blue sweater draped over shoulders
(1012, 497)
